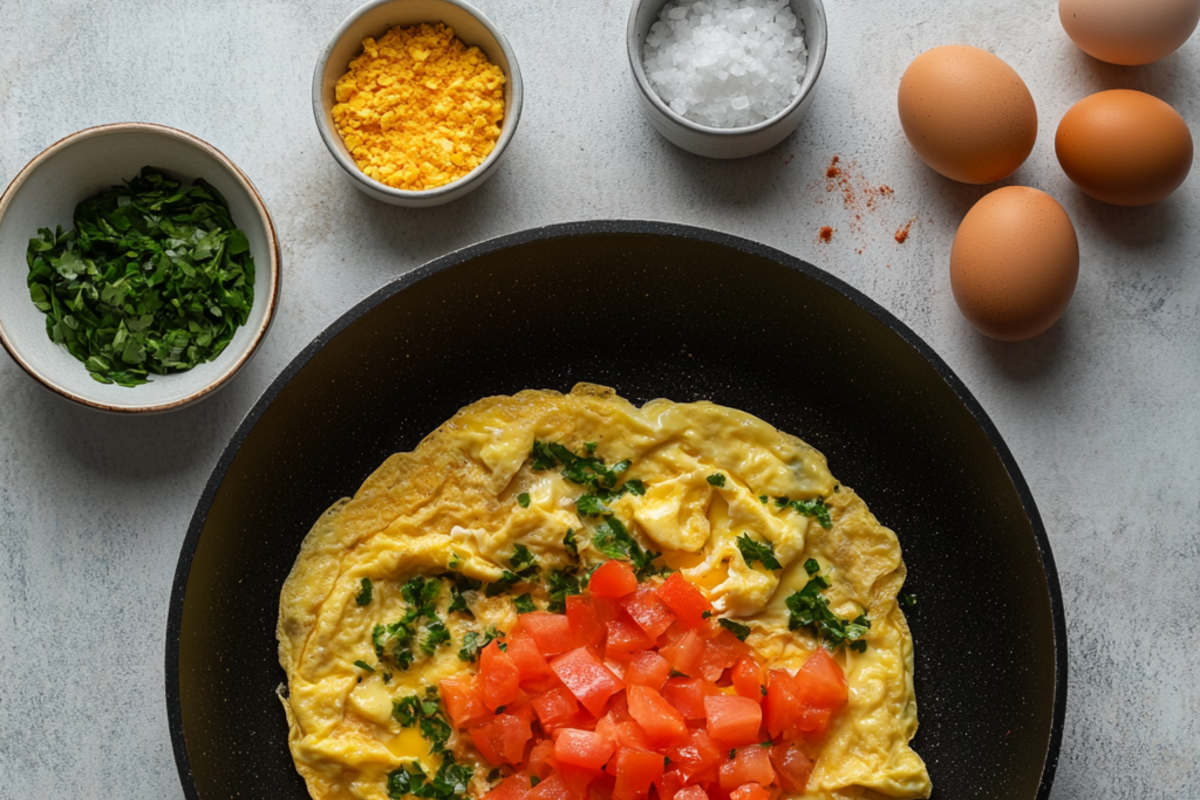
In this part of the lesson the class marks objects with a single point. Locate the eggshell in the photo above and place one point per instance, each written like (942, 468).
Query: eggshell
(968, 114)
(1129, 31)
(1014, 263)
(1124, 147)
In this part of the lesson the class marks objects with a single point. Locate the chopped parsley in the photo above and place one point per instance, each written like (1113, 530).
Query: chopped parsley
(736, 628)
(474, 642)
(562, 583)
(586, 471)
(908, 600)
(808, 608)
(570, 543)
(613, 539)
(524, 567)
(717, 480)
(762, 498)
(524, 603)
(365, 593)
(758, 551)
(435, 634)
(459, 586)
(421, 595)
(364, 665)
(450, 782)
(815, 509)
(153, 278)
(523, 499)
(427, 714)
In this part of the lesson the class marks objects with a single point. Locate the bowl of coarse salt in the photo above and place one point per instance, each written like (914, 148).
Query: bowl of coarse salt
(726, 78)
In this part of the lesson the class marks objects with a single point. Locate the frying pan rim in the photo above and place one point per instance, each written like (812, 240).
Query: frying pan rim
(590, 228)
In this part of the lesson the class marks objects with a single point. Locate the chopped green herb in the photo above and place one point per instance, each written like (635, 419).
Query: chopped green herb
(758, 551)
(808, 608)
(717, 480)
(152, 279)
(613, 539)
(732, 754)
(812, 567)
(634, 487)
(460, 585)
(387, 676)
(474, 642)
(523, 499)
(707, 615)
(762, 498)
(427, 714)
(782, 502)
(561, 584)
(590, 447)
(364, 665)
(365, 593)
(524, 603)
(767, 745)
(736, 628)
(908, 600)
(815, 509)
(507, 580)
(435, 634)
(590, 505)
(570, 543)
(450, 782)
(534, 780)
(523, 562)
(586, 471)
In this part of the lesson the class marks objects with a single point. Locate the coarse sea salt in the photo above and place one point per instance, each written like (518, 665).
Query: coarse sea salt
(726, 63)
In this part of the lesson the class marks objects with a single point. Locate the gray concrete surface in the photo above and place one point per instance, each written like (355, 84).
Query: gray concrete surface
(1100, 412)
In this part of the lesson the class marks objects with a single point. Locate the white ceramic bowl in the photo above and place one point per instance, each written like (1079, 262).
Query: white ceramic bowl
(725, 142)
(44, 195)
(374, 19)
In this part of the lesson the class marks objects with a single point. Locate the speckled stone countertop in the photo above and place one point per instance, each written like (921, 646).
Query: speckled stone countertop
(1101, 412)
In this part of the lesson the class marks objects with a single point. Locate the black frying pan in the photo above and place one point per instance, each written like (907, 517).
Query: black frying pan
(653, 310)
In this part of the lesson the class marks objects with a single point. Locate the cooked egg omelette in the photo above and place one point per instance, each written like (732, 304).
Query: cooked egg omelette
(508, 507)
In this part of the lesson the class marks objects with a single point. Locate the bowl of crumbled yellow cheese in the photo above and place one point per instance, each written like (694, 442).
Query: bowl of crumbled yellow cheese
(417, 99)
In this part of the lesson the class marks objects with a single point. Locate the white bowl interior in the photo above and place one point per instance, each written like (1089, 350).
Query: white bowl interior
(45, 195)
(374, 21)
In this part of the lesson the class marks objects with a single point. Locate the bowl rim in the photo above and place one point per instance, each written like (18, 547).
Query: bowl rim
(264, 216)
(332, 138)
(816, 59)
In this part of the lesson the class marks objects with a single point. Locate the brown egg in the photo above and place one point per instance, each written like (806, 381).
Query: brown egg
(1124, 147)
(1129, 31)
(967, 113)
(1014, 263)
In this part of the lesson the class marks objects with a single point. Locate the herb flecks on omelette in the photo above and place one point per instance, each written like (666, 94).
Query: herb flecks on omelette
(573, 597)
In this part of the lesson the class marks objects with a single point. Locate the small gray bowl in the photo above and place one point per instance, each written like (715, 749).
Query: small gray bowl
(374, 19)
(44, 195)
(725, 142)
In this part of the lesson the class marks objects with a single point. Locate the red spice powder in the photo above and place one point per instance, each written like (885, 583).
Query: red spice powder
(902, 234)
(826, 234)
(859, 196)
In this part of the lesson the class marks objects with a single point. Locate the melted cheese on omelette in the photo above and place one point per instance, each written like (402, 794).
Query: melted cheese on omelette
(453, 504)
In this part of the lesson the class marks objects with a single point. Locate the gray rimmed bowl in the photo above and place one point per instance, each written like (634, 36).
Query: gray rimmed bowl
(713, 142)
(374, 19)
(44, 195)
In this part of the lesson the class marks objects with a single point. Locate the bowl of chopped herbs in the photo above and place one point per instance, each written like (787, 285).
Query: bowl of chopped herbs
(139, 268)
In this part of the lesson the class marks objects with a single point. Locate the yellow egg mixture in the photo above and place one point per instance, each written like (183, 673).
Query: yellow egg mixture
(457, 503)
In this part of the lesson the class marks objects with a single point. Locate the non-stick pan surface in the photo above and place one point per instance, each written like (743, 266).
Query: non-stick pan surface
(653, 310)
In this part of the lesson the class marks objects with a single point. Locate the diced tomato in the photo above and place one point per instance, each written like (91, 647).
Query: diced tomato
(503, 740)
(672, 782)
(541, 761)
(751, 765)
(588, 616)
(721, 652)
(636, 771)
(624, 637)
(685, 600)
(647, 668)
(552, 632)
(626, 734)
(555, 708)
(649, 611)
(732, 720)
(781, 706)
(691, 793)
(583, 748)
(524, 652)
(499, 678)
(613, 579)
(821, 683)
(747, 679)
(687, 695)
(750, 791)
(663, 724)
(551, 788)
(514, 787)
(699, 759)
(463, 700)
(577, 779)
(587, 678)
(685, 653)
(618, 708)
(792, 766)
